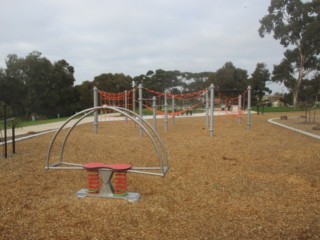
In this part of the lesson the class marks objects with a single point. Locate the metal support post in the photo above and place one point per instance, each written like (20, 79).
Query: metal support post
(134, 100)
(239, 109)
(207, 109)
(126, 99)
(140, 105)
(249, 109)
(95, 104)
(126, 102)
(154, 107)
(211, 110)
(172, 112)
(165, 112)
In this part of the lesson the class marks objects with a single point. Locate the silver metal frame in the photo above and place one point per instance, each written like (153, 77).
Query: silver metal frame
(154, 137)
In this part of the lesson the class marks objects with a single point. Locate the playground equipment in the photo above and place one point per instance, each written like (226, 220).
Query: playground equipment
(101, 175)
(181, 104)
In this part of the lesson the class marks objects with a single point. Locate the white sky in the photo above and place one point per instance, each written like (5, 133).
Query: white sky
(134, 36)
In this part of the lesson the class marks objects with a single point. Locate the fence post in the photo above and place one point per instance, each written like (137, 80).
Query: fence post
(5, 131)
(13, 138)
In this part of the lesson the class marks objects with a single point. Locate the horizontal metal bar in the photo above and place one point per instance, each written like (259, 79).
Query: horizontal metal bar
(146, 173)
(72, 164)
(146, 168)
(65, 168)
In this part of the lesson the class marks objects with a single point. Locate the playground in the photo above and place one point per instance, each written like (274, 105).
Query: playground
(238, 184)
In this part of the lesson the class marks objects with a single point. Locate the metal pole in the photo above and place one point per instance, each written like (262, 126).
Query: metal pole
(239, 109)
(126, 102)
(95, 104)
(13, 138)
(211, 110)
(140, 100)
(134, 100)
(5, 132)
(249, 109)
(154, 106)
(173, 115)
(207, 109)
(165, 112)
(126, 99)
(140, 105)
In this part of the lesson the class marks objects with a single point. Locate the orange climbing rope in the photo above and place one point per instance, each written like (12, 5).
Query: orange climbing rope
(116, 99)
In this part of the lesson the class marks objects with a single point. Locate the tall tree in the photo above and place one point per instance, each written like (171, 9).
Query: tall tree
(12, 84)
(163, 80)
(258, 81)
(37, 71)
(34, 85)
(113, 82)
(296, 24)
(62, 92)
(230, 78)
(85, 95)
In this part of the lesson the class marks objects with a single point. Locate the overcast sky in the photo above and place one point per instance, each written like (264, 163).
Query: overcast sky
(134, 36)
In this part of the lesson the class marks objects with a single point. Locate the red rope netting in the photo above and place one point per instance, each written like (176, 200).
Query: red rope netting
(231, 105)
(184, 96)
(116, 99)
(189, 101)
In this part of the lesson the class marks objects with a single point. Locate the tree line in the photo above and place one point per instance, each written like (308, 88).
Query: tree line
(34, 86)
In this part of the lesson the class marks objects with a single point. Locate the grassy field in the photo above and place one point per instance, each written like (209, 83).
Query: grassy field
(276, 109)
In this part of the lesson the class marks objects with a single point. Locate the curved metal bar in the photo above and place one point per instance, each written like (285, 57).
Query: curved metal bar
(58, 131)
(122, 112)
(70, 130)
(161, 154)
(153, 130)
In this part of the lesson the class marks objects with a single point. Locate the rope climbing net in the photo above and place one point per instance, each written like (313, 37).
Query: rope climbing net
(230, 105)
(179, 104)
(122, 99)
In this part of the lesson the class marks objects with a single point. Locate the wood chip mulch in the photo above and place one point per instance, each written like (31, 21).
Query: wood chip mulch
(240, 184)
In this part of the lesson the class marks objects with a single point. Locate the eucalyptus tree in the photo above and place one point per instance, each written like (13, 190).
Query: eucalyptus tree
(33, 85)
(259, 78)
(113, 82)
(296, 24)
(84, 93)
(229, 78)
(12, 84)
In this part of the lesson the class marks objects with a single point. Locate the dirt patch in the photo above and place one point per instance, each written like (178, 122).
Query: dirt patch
(240, 184)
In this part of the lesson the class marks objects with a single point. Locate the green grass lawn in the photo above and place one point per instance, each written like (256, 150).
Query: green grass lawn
(277, 109)
(38, 122)
(20, 123)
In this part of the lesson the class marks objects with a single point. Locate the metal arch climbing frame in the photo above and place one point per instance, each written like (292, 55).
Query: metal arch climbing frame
(144, 125)
(123, 111)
